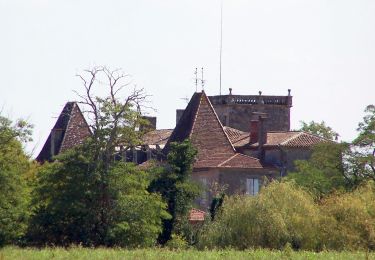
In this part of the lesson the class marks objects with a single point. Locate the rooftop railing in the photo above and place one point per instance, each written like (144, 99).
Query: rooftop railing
(251, 100)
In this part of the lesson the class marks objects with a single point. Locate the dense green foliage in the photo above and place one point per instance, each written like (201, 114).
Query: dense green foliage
(14, 168)
(338, 166)
(173, 182)
(323, 172)
(280, 214)
(348, 219)
(79, 253)
(283, 214)
(68, 207)
(362, 157)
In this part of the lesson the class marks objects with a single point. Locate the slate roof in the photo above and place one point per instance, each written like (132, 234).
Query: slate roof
(200, 123)
(69, 130)
(292, 139)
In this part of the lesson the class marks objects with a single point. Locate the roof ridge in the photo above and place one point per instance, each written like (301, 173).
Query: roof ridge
(291, 138)
(195, 116)
(247, 136)
(217, 118)
(227, 160)
(317, 136)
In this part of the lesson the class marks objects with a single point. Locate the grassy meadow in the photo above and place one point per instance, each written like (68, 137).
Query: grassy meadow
(106, 253)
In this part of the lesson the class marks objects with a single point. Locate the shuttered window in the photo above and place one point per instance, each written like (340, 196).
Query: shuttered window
(252, 186)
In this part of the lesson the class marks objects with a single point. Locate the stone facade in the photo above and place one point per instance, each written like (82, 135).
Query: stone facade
(232, 180)
(237, 111)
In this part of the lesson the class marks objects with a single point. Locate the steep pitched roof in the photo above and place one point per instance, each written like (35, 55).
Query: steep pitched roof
(70, 130)
(296, 139)
(200, 123)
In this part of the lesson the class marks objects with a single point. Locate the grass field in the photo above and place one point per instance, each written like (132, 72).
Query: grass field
(104, 253)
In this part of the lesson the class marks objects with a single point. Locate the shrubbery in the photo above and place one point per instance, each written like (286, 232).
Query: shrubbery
(68, 204)
(348, 219)
(284, 214)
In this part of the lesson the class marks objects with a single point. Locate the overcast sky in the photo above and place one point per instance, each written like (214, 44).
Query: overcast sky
(324, 50)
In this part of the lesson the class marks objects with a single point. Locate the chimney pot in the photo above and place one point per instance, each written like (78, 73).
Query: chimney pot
(289, 92)
(230, 91)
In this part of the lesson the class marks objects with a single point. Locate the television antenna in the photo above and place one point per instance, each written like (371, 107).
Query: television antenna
(221, 40)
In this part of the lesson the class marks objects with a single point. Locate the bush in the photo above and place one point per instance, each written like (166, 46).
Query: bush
(177, 242)
(348, 221)
(280, 214)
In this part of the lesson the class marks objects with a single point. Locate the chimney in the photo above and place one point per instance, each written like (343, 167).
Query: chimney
(149, 123)
(179, 113)
(258, 133)
(254, 131)
(262, 139)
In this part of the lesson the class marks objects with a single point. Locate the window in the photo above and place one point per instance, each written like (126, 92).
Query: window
(252, 186)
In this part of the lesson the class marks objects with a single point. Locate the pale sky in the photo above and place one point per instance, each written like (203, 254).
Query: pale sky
(324, 50)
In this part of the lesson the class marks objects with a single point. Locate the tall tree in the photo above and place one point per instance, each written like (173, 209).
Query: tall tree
(113, 118)
(173, 182)
(360, 162)
(14, 166)
(324, 171)
(88, 197)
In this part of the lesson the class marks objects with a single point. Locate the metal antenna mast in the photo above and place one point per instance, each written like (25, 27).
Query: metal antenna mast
(221, 38)
(196, 79)
(202, 81)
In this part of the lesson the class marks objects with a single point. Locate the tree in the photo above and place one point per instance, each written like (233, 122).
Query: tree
(67, 206)
(88, 197)
(173, 182)
(319, 129)
(14, 167)
(360, 158)
(114, 119)
(324, 172)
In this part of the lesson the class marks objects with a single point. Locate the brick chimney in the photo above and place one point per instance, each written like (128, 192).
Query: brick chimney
(262, 139)
(258, 132)
(254, 131)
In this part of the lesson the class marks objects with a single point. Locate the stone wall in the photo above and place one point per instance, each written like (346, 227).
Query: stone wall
(292, 154)
(234, 180)
(237, 110)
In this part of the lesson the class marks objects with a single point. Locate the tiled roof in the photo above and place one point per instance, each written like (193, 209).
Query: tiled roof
(200, 123)
(285, 139)
(157, 137)
(70, 130)
(196, 215)
(303, 139)
(234, 134)
(241, 161)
